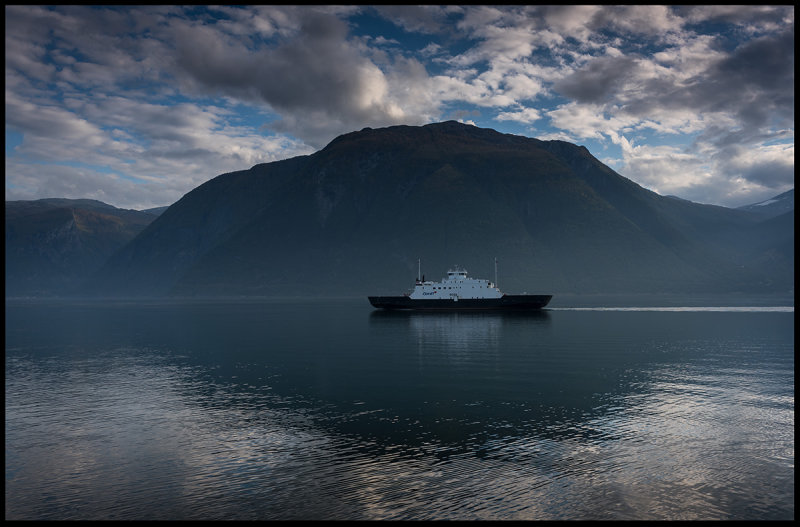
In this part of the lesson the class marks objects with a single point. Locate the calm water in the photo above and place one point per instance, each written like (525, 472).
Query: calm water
(330, 410)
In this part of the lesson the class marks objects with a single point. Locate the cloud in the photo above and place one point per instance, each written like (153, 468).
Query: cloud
(666, 169)
(316, 79)
(526, 115)
(417, 18)
(650, 20)
(740, 176)
(753, 18)
(756, 81)
(768, 166)
(598, 81)
(590, 121)
(569, 21)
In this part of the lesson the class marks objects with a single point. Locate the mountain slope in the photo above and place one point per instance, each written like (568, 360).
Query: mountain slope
(53, 245)
(354, 217)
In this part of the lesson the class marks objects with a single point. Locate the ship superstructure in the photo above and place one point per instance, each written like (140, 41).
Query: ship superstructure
(455, 286)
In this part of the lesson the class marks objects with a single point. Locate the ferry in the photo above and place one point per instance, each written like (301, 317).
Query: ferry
(457, 291)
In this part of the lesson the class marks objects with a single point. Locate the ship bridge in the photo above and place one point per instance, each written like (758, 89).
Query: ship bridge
(457, 274)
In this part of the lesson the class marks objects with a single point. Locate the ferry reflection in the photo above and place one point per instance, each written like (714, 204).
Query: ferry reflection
(457, 333)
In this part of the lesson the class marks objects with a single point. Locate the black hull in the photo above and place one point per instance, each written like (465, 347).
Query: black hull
(505, 302)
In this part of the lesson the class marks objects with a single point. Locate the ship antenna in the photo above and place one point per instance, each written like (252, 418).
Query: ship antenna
(495, 272)
(419, 269)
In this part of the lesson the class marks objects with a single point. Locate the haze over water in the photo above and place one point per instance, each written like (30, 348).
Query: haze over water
(308, 409)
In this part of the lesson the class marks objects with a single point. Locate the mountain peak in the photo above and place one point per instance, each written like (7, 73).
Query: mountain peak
(444, 136)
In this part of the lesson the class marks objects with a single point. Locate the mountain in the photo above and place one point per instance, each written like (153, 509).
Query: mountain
(156, 211)
(354, 217)
(776, 206)
(53, 245)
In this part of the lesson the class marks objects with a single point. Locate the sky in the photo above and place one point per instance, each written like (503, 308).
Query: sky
(136, 106)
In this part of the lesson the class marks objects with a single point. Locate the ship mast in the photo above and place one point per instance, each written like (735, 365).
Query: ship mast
(495, 272)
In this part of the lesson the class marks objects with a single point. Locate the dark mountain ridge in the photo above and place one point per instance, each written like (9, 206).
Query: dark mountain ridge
(354, 217)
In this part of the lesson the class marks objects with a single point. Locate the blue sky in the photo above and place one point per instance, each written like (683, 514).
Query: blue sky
(136, 106)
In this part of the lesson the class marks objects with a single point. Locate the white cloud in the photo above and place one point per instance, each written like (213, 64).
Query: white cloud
(526, 115)
(663, 169)
(747, 176)
(589, 121)
(572, 21)
(652, 20)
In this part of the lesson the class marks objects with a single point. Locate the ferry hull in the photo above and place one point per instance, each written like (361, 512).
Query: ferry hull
(505, 302)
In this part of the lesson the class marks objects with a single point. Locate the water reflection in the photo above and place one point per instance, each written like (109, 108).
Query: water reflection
(465, 318)
(458, 335)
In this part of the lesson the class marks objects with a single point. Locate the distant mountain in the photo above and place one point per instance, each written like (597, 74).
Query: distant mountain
(354, 217)
(53, 245)
(776, 206)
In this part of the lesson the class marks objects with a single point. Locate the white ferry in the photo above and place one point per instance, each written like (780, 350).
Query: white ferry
(458, 291)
